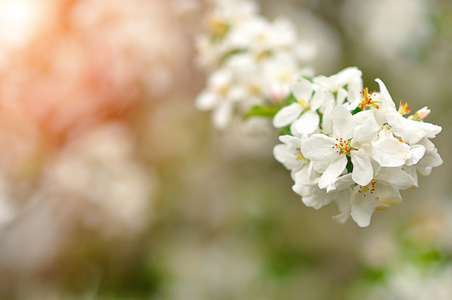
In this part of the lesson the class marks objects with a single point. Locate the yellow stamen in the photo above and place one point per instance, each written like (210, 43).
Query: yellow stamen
(304, 104)
(370, 188)
(366, 99)
(254, 89)
(299, 155)
(223, 89)
(217, 26)
(343, 146)
(403, 108)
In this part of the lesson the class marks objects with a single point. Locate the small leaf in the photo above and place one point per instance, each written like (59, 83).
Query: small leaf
(356, 110)
(262, 111)
(349, 164)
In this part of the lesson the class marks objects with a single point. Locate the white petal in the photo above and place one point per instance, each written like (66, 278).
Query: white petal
(429, 146)
(319, 147)
(424, 170)
(287, 115)
(416, 153)
(365, 132)
(362, 116)
(384, 92)
(390, 152)
(221, 77)
(206, 100)
(282, 154)
(222, 115)
(340, 183)
(411, 170)
(430, 130)
(355, 87)
(395, 177)
(353, 104)
(318, 99)
(322, 81)
(362, 208)
(327, 123)
(301, 189)
(341, 95)
(317, 198)
(343, 124)
(237, 93)
(343, 204)
(387, 194)
(362, 168)
(408, 131)
(308, 122)
(290, 140)
(302, 89)
(432, 159)
(303, 184)
(302, 177)
(333, 171)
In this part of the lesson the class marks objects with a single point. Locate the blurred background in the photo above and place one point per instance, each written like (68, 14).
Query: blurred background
(112, 185)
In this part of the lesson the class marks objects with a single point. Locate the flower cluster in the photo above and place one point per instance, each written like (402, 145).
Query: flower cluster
(341, 142)
(352, 145)
(252, 60)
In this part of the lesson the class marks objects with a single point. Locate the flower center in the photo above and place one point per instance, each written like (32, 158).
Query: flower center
(263, 55)
(366, 99)
(304, 104)
(370, 188)
(300, 156)
(254, 89)
(403, 108)
(284, 76)
(223, 89)
(217, 26)
(342, 146)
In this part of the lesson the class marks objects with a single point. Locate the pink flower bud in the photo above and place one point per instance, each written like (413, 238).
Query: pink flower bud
(420, 114)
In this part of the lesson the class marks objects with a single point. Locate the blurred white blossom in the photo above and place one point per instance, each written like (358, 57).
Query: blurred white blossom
(100, 168)
(260, 59)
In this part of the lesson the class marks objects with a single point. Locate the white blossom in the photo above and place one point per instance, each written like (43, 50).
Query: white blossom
(303, 110)
(219, 96)
(262, 58)
(347, 144)
(347, 140)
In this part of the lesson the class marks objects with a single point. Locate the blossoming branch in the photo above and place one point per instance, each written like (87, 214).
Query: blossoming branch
(341, 142)
(354, 148)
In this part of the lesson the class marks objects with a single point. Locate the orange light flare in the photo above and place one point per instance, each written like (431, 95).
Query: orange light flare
(19, 22)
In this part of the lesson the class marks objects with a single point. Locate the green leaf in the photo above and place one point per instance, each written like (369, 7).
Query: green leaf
(285, 130)
(356, 110)
(374, 274)
(349, 164)
(262, 111)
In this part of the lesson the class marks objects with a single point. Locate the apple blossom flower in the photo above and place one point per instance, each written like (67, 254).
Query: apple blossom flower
(261, 59)
(289, 154)
(409, 130)
(347, 141)
(219, 96)
(346, 144)
(303, 110)
(335, 84)
(380, 193)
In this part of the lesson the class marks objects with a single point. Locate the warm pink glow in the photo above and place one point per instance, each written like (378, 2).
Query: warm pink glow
(18, 21)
